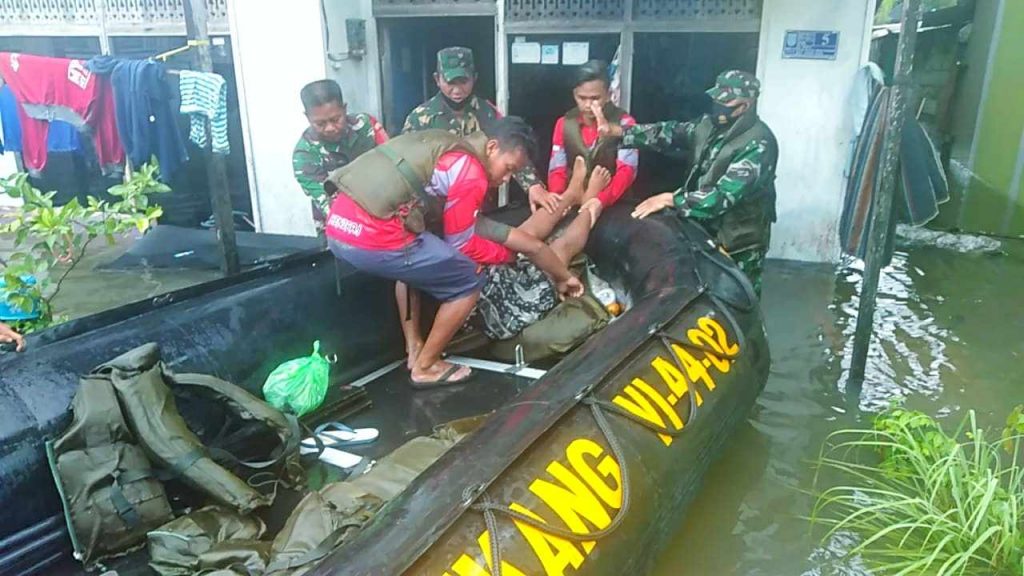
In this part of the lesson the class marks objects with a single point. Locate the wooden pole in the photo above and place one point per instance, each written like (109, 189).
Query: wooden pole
(197, 15)
(882, 202)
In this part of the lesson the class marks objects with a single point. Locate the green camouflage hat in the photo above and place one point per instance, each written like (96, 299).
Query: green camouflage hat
(735, 84)
(455, 62)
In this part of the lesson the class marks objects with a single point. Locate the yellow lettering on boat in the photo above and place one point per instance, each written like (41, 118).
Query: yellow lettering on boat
(554, 554)
(467, 566)
(673, 378)
(578, 453)
(637, 405)
(658, 399)
(572, 501)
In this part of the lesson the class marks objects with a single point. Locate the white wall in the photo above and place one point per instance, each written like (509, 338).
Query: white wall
(359, 77)
(805, 104)
(276, 51)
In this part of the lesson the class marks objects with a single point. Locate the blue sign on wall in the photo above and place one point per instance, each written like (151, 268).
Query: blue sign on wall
(811, 44)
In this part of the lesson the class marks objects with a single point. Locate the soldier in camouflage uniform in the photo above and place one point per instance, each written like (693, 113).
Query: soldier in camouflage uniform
(457, 109)
(333, 139)
(731, 189)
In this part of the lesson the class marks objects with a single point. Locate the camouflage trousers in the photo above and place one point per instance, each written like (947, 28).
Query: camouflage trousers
(751, 263)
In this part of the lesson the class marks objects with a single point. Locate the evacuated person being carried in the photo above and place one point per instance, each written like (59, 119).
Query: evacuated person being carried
(388, 201)
(731, 188)
(334, 138)
(457, 109)
(576, 136)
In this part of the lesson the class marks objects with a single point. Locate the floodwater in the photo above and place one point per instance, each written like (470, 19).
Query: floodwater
(948, 340)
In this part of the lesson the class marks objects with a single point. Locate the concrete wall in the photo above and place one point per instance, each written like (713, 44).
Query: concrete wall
(277, 51)
(359, 77)
(805, 103)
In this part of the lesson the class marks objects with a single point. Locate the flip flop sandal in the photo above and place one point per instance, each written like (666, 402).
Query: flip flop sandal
(443, 380)
(334, 457)
(337, 435)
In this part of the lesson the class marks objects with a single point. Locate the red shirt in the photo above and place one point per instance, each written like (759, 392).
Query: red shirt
(462, 179)
(625, 163)
(459, 180)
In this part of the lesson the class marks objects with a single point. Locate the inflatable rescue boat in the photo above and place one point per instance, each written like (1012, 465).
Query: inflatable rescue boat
(583, 466)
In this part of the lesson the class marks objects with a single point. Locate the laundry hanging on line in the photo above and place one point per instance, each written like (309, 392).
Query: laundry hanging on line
(61, 89)
(204, 97)
(147, 115)
(63, 137)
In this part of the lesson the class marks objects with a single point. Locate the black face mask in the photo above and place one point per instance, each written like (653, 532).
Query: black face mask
(718, 110)
(456, 105)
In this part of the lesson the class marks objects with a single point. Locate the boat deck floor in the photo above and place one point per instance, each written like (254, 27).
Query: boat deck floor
(398, 411)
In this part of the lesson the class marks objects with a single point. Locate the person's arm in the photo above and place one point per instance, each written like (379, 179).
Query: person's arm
(7, 334)
(657, 136)
(558, 168)
(414, 121)
(625, 170)
(309, 172)
(545, 258)
(740, 179)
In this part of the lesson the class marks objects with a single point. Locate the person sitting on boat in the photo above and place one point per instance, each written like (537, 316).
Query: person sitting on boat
(517, 293)
(731, 188)
(333, 139)
(400, 246)
(576, 136)
(8, 335)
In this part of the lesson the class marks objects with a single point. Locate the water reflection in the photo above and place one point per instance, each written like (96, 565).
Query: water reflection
(948, 339)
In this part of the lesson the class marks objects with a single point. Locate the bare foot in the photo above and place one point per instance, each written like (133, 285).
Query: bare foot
(413, 352)
(574, 190)
(599, 179)
(440, 373)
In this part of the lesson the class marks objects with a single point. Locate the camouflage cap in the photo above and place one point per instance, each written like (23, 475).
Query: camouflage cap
(455, 62)
(735, 84)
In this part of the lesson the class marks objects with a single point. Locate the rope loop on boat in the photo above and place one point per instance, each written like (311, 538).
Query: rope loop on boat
(598, 408)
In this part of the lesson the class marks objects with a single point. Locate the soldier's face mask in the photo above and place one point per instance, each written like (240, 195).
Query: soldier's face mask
(722, 114)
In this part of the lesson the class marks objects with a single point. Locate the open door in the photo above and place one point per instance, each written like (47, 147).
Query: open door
(409, 48)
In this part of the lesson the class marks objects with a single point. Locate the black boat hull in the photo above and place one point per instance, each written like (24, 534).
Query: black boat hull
(543, 451)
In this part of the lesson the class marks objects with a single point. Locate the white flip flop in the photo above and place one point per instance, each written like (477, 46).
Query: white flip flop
(334, 457)
(337, 435)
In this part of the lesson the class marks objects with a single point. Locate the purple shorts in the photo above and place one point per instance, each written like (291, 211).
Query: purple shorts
(429, 264)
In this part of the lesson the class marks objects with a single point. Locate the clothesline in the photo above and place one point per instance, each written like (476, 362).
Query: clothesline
(128, 105)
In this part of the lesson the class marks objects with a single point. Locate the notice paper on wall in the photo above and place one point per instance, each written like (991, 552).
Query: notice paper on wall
(549, 54)
(526, 52)
(575, 53)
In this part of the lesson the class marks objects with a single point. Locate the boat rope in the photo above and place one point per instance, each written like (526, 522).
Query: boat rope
(598, 408)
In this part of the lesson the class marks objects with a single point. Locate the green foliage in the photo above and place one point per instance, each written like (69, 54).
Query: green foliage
(886, 13)
(49, 240)
(923, 501)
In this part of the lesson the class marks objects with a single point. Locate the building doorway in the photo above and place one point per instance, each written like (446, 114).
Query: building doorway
(409, 48)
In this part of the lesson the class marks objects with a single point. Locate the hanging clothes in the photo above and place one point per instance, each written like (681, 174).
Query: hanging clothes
(147, 114)
(63, 137)
(61, 89)
(204, 96)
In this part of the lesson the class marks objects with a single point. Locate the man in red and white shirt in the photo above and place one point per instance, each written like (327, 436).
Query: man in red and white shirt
(448, 269)
(576, 135)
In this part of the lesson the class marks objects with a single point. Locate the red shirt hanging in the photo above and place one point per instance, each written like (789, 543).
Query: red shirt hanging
(62, 89)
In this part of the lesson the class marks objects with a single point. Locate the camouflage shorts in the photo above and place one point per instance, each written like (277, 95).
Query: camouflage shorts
(514, 296)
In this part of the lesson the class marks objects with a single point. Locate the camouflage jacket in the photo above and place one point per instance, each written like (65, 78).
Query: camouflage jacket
(746, 171)
(476, 115)
(313, 160)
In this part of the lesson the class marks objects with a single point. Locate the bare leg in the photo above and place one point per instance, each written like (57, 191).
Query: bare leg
(410, 317)
(450, 317)
(599, 180)
(541, 223)
(572, 242)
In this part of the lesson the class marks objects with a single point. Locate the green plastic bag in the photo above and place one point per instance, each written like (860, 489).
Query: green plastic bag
(299, 385)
